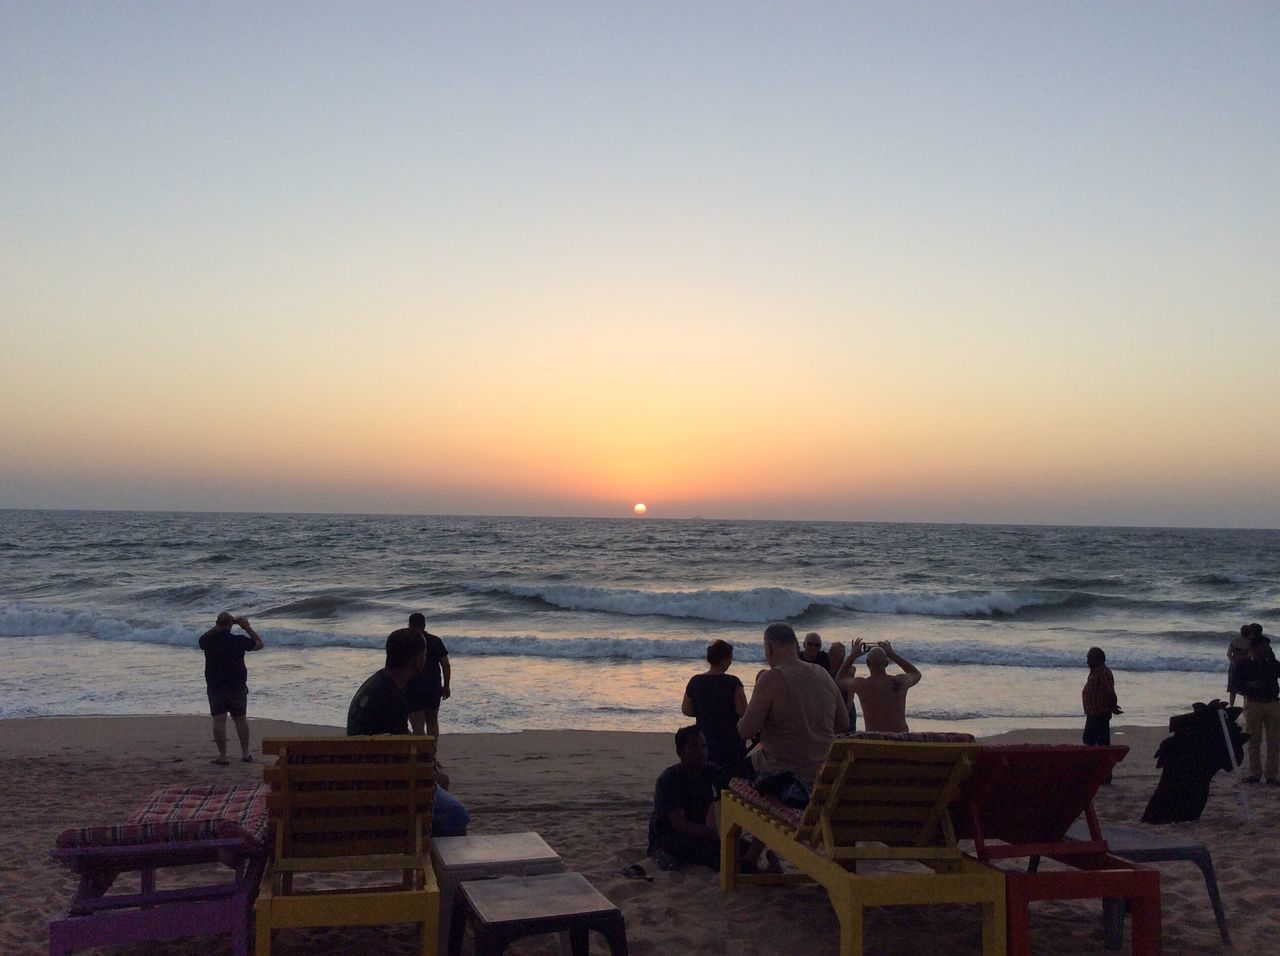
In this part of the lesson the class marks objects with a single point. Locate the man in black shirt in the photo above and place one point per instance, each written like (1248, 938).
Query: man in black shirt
(226, 679)
(683, 828)
(1258, 679)
(812, 652)
(380, 707)
(430, 685)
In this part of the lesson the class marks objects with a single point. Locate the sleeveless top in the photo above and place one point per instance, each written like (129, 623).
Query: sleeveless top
(713, 707)
(799, 741)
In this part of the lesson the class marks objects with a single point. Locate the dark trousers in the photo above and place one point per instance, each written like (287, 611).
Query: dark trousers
(1097, 730)
(686, 850)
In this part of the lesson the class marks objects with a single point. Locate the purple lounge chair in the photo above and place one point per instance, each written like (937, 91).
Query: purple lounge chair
(177, 826)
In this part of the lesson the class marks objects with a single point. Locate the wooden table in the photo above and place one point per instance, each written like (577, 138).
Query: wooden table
(509, 908)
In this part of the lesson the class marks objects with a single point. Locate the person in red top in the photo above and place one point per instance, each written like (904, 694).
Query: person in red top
(1099, 699)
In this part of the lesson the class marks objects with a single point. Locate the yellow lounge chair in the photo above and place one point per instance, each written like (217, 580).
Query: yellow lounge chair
(891, 793)
(354, 805)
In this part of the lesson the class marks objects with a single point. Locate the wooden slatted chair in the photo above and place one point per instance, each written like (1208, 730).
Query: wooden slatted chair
(1019, 802)
(357, 806)
(874, 800)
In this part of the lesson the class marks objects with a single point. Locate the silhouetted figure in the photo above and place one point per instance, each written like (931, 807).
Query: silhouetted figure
(683, 827)
(717, 701)
(1190, 758)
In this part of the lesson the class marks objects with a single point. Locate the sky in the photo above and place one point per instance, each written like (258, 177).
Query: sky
(989, 262)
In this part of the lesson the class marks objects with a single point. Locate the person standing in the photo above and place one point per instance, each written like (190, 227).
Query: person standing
(883, 696)
(716, 700)
(429, 686)
(1237, 651)
(835, 658)
(1258, 679)
(812, 652)
(1099, 699)
(227, 680)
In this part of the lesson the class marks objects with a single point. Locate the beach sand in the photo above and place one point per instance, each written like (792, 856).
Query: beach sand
(589, 795)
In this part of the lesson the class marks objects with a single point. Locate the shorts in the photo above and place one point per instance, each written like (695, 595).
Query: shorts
(228, 700)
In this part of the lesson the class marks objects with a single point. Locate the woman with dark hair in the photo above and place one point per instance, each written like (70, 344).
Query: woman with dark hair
(716, 700)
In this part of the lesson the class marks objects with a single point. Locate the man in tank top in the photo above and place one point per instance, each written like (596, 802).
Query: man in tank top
(795, 708)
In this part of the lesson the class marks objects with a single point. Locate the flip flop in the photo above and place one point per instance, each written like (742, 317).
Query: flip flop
(220, 761)
(636, 872)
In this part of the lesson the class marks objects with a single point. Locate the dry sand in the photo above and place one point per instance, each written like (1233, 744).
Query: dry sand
(589, 795)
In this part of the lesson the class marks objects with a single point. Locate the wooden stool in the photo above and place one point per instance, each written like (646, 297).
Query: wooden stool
(459, 859)
(509, 908)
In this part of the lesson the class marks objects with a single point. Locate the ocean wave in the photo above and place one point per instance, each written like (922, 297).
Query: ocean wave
(182, 595)
(764, 604)
(958, 715)
(1218, 580)
(35, 621)
(320, 607)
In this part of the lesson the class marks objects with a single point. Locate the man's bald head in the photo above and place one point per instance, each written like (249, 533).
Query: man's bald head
(877, 659)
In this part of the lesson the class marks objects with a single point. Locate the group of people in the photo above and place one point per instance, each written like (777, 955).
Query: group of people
(801, 701)
(402, 697)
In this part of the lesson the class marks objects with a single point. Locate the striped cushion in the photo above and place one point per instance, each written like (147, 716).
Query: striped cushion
(184, 815)
(922, 736)
(770, 804)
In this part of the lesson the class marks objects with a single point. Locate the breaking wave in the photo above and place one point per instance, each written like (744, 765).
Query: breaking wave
(28, 621)
(764, 604)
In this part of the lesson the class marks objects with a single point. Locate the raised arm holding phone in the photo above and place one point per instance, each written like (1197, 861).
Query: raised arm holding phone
(883, 696)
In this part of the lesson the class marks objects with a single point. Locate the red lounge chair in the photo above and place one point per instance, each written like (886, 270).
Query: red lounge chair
(1027, 797)
(174, 827)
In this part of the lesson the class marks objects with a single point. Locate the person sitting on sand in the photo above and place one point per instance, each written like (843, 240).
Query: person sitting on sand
(795, 708)
(1259, 681)
(716, 700)
(683, 827)
(812, 652)
(380, 707)
(883, 698)
(227, 681)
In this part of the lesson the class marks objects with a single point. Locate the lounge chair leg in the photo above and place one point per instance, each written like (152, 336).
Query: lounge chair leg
(1017, 920)
(994, 942)
(729, 857)
(1205, 862)
(262, 931)
(850, 915)
(1147, 931)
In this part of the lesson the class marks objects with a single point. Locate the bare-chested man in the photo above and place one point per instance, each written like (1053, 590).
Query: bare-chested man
(795, 708)
(884, 698)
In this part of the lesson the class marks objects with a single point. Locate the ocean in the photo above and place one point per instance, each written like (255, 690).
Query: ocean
(598, 623)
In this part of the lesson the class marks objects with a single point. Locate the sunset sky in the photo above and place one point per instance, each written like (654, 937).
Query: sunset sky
(892, 261)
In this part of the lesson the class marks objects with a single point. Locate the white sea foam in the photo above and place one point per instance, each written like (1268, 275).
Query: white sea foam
(20, 621)
(761, 605)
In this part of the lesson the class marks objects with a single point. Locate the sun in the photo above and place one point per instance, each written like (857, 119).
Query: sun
(640, 508)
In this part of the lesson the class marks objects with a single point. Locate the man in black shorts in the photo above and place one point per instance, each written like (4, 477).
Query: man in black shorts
(227, 680)
(430, 685)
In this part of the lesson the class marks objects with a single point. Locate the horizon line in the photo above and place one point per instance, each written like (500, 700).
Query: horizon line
(633, 518)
